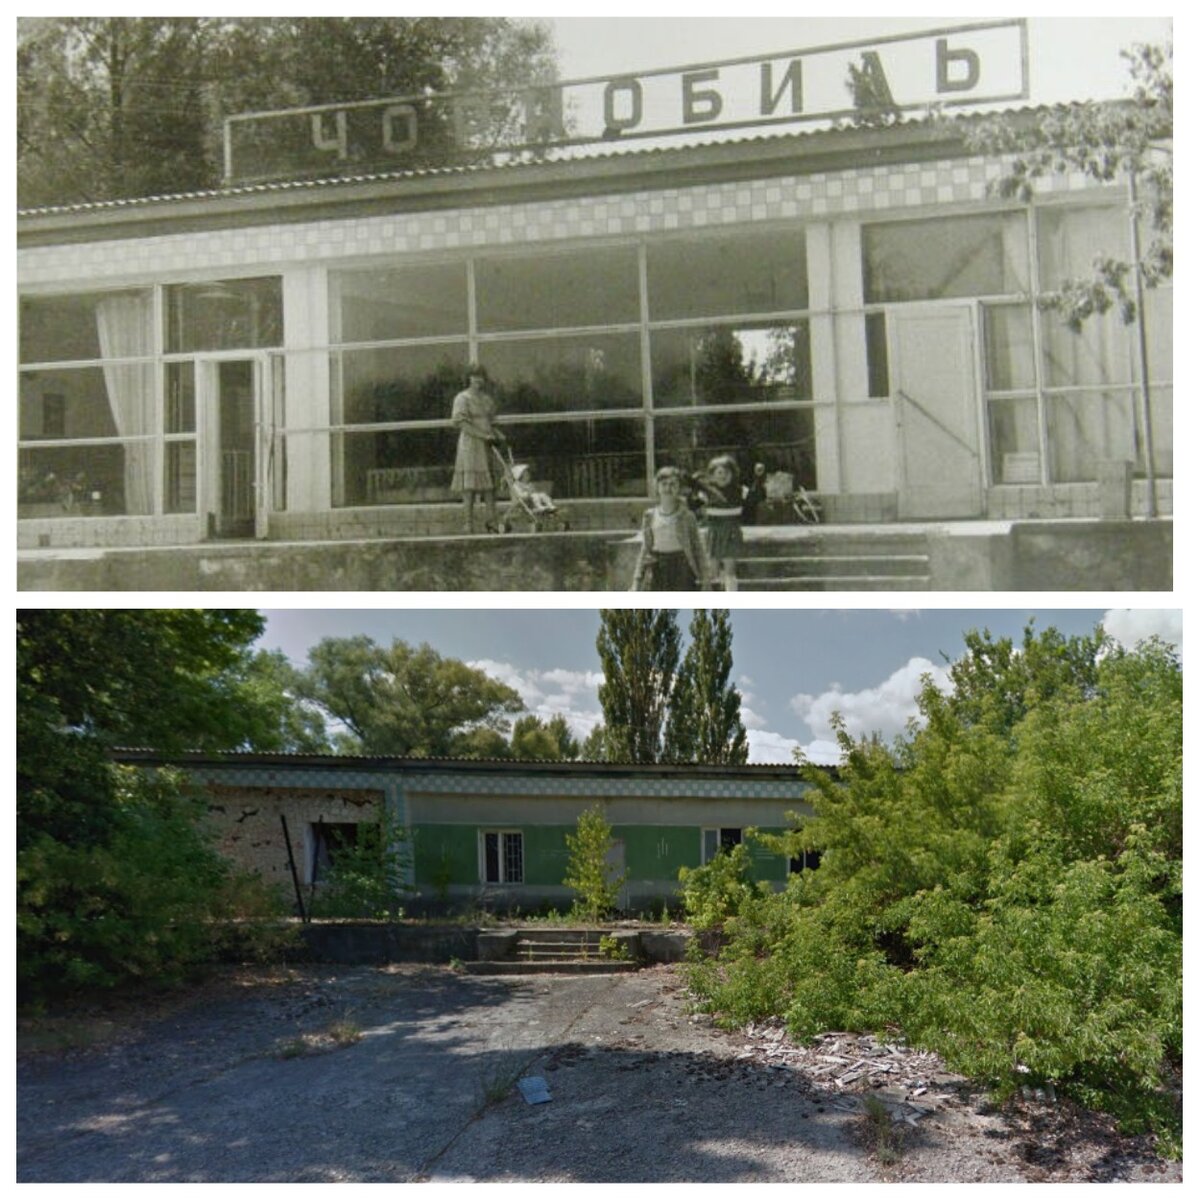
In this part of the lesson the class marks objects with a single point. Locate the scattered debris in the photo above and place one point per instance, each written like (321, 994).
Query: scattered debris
(535, 1089)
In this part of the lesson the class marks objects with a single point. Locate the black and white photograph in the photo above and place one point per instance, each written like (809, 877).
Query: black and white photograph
(490, 304)
(595, 602)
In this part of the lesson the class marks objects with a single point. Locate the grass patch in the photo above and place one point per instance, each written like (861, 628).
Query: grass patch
(885, 1136)
(336, 1035)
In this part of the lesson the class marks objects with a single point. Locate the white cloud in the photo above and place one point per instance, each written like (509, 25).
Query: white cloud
(751, 719)
(1128, 626)
(767, 747)
(574, 695)
(885, 709)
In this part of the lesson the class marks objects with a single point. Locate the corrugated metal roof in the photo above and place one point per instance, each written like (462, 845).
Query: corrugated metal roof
(284, 756)
(588, 154)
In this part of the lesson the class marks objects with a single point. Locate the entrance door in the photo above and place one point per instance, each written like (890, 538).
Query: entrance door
(235, 488)
(936, 402)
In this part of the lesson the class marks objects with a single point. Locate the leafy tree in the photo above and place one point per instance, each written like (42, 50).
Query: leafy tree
(114, 107)
(117, 878)
(284, 720)
(406, 701)
(533, 738)
(589, 874)
(639, 654)
(595, 746)
(1125, 143)
(705, 724)
(1004, 884)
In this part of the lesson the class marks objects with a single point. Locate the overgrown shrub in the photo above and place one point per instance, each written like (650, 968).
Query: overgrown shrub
(590, 875)
(145, 905)
(367, 878)
(1004, 884)
(715, 891)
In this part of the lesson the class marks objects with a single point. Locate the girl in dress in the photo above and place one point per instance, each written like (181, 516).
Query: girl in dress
(671, 558)
(723, 517)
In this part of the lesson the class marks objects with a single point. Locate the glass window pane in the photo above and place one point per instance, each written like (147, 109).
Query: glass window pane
(1014, 441)
(1088, 428)
(232, 314)
(584, 460)
(1159, 306)
(85, 481)
(98, 325)
(981, 255)
(556, 291)
(725, 365)
(1100, 353)
(491, 857)
(710, 844)
(400, 302)
(514, 865)
(735, 273)
(781, 441)
(878, 370)
(1070, 239)
(179, 477)
(562, 375)
(410, 466)
(180, 398)
(1008, 339)
(409, 383)
(1161, 423)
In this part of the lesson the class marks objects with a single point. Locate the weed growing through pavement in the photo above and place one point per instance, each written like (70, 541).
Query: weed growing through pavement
(886, 1135)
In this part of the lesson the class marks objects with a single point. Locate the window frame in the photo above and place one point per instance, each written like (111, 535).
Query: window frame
(721, 844)
(501, 833)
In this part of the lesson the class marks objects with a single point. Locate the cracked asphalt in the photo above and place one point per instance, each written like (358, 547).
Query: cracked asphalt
(247, 1081)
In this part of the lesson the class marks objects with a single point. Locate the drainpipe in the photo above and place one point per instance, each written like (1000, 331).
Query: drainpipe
(1139, 294)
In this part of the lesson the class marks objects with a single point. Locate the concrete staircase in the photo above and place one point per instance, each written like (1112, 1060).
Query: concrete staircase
(551, 952)
(826, 558)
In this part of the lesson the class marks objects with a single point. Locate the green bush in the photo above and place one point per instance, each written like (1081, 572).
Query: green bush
(1004, 885)
(589, 874)
(146, 905)
(367, 878)
(712, 893)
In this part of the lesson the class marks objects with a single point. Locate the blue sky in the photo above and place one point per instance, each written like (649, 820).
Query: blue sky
(794, 667)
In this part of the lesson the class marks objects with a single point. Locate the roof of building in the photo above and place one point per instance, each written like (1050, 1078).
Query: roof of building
(393, 762)
(526, 178)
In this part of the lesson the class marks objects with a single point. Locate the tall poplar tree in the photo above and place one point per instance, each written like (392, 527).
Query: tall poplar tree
(705, 722)
(639, 653)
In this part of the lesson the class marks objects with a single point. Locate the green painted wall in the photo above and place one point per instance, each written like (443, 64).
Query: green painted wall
(652, 853)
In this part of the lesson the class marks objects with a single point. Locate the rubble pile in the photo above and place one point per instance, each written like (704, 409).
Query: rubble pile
(911, 1084)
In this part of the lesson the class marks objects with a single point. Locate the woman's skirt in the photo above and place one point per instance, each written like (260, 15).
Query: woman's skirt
(671, 573)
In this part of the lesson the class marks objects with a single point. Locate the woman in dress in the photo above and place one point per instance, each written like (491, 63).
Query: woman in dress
(474, 415)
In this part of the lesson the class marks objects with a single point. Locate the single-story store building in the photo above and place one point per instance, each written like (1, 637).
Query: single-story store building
(489, 832)
(272, 363)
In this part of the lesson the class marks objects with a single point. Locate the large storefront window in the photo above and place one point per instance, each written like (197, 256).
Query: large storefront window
(782, 440)
(983, 255)
(727, 275)
(88, 433)
(566, 374)
(423, 300)
(557, 291)
(731, 365)
(224, 314)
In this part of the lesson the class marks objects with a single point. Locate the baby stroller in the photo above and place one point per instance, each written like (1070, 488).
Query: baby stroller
(782, 493)
(525, 502)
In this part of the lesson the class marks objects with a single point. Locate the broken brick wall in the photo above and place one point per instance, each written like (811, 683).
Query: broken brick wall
(250, 834)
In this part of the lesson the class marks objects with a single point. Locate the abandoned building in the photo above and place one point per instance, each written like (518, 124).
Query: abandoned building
(489, 832)
(251, 387)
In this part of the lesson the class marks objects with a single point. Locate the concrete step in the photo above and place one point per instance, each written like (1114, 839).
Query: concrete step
(842, 565)
(835, 583)
(590, 967)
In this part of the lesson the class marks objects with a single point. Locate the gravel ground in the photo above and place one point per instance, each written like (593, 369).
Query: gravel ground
(405, 1074)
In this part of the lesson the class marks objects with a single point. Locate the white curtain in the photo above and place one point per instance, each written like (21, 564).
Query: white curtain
(125, 324)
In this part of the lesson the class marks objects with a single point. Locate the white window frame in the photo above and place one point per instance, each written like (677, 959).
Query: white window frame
(502, 861)
(716, 831)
